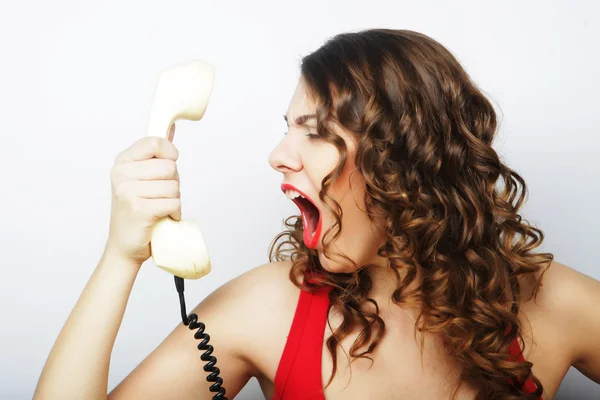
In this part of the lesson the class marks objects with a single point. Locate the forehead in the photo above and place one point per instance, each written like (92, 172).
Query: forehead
(301, 103)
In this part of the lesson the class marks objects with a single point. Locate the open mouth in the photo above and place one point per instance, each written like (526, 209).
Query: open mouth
(311, 217)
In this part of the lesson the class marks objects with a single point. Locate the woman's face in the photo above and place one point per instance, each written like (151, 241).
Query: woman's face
(304, 160)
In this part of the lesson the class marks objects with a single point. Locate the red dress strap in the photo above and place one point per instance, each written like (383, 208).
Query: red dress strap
(298, 375)
(516, 354)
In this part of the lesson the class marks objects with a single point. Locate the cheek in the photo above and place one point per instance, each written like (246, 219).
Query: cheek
(348, 190)
(319, 161)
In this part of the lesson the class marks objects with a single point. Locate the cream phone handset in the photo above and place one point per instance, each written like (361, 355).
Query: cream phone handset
(182, 92)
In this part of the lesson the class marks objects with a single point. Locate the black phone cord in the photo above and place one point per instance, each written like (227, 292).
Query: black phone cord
(191, 321)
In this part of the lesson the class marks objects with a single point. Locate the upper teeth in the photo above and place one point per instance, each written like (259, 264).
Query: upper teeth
(292, 194)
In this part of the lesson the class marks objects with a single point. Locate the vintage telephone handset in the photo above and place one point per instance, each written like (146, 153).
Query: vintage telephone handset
(182, 92)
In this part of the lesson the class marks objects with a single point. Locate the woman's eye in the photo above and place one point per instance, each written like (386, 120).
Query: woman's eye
(309, 135)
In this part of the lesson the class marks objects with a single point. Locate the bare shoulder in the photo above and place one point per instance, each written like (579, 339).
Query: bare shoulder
(263, 294)
(562, 286)
(567, 308)
(260, 306)
(264, 287)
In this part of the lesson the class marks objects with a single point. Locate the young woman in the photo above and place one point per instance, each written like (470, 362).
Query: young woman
(410, 273)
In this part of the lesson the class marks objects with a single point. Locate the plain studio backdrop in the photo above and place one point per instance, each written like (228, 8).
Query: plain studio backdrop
(76, 85)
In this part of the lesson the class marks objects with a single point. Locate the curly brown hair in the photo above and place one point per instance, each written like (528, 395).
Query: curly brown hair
(450, 205)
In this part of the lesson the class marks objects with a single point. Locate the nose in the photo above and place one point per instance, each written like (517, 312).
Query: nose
(285, 157)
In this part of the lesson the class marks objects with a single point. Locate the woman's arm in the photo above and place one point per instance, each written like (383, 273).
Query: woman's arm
(77, 367)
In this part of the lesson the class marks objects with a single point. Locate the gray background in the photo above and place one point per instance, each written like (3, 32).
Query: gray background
(76, 84)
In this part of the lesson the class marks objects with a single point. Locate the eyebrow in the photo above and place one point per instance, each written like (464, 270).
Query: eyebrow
(301, 120)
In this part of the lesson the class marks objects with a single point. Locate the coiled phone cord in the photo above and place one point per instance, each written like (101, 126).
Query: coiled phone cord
(191, 321)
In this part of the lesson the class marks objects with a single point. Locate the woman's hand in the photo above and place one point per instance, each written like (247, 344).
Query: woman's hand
(145, 187)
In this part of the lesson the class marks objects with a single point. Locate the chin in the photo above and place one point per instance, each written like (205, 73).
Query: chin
(335, 267)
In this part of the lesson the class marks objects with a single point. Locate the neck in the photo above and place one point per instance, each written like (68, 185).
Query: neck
(385, 282)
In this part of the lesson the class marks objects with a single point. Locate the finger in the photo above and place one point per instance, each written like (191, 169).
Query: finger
(147, 148)
(163, 189)
(153, 169)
